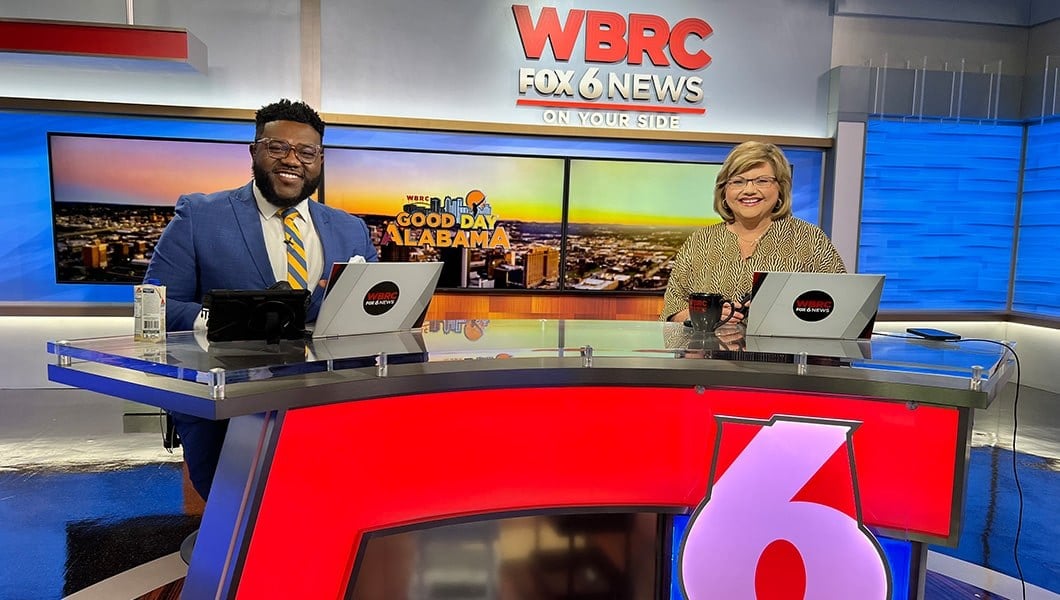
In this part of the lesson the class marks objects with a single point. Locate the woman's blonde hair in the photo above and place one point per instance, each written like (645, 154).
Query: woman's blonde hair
(745, 157)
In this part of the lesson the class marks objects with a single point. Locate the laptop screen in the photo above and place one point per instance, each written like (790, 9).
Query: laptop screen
(814, 305)
(376, 297)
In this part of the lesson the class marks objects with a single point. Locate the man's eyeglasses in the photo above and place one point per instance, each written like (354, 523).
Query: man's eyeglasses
(738, 183)
(307, 154)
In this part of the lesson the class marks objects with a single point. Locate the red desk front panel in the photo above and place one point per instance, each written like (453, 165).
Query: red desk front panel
(343, 470)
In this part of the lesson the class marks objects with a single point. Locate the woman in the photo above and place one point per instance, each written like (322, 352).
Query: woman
(757, 233)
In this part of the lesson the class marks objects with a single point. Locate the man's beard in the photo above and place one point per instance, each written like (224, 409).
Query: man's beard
(264, 183)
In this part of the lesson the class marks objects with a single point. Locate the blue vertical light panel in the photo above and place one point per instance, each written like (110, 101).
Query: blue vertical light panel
(1037, 279)
(938, 213)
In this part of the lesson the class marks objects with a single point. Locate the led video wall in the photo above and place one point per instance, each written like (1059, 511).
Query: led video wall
(497, 221)
(487, 217)
(626, 221)
(526, 212)
(112, 197)
(939, 203)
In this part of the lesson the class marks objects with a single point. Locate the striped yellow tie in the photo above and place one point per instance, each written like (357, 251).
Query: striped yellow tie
(297, 267)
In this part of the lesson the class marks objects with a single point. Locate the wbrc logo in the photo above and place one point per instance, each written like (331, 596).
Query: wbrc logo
(381, 297)
(813, 305)
(611, 38)
(781, 523)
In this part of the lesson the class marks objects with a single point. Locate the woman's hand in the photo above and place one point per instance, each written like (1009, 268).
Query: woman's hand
(737, 309)
(730, 337)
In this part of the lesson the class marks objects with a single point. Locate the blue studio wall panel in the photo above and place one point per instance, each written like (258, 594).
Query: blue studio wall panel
(1037, 278)
(938, 213)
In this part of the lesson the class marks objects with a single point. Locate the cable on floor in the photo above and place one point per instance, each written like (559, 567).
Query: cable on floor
(1015, 453)
(1015, 426)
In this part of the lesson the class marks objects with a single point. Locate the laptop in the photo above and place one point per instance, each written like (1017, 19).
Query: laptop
(376, 297)
(838, 306)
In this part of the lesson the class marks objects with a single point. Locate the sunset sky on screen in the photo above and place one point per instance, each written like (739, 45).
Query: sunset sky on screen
(143, 172)
(378, 182)
(637, 193)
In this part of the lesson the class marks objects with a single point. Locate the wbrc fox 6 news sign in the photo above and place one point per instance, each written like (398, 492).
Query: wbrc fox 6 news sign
(638, 70)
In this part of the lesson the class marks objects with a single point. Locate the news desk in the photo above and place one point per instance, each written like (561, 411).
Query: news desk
(800, 456)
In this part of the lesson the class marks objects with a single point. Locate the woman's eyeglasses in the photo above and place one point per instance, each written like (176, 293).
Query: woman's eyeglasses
(739, 183)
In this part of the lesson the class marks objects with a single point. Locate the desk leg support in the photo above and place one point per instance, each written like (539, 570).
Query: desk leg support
(231, 509)
(919, 560)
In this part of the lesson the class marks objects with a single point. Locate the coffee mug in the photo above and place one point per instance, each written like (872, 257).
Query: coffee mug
(705, 311)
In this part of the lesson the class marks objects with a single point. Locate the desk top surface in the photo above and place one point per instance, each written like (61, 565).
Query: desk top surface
(505, 353)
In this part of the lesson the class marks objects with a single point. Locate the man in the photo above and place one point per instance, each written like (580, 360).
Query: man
(236, 239)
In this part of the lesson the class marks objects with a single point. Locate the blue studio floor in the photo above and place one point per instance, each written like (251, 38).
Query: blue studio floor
(989, 533)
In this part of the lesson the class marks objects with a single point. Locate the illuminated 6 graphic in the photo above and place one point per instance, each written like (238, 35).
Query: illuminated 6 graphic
(752, 523)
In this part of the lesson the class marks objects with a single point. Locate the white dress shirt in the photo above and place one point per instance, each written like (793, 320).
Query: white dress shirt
(272, 228)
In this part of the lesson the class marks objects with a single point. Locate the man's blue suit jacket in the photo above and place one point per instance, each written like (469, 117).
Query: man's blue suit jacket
(215, 242)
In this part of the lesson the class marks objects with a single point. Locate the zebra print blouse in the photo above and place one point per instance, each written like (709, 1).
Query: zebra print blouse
(709, 261)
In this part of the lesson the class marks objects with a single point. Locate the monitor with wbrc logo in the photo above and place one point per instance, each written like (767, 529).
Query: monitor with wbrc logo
(814, 305)
(376, 297)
